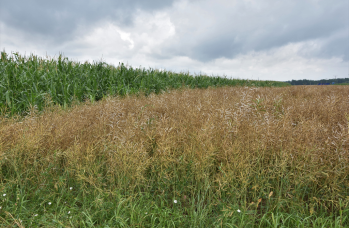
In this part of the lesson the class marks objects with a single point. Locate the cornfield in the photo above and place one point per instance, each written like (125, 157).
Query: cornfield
(32, 82)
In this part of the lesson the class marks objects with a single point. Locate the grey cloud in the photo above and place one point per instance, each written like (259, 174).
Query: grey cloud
(337, 47)
(202, 31)
(59, 20)
(261, 27)
(217, 48)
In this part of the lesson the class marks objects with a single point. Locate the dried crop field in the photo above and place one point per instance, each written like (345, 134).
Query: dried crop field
(231, 155)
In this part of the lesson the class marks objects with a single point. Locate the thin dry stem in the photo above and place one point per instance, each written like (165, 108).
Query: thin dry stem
(225, 134)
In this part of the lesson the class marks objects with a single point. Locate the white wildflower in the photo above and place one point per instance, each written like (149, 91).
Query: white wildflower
(175, 201)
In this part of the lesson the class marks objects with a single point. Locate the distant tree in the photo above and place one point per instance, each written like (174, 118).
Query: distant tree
(316, 82)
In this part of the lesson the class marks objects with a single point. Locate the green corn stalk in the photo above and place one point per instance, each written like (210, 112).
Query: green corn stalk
(23, 80)
(8, 101)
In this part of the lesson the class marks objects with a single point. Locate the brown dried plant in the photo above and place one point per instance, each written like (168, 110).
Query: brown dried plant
(236, 142)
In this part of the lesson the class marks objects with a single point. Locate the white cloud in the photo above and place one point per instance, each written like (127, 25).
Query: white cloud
(134, 44)
(269, 40)
(281, 64)
(126, 37)
(152, 30)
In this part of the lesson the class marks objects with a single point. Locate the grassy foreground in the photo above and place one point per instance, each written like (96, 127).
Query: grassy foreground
(220, 157)
(28, 82)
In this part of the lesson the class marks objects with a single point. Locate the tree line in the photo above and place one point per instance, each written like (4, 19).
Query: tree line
(316, 82)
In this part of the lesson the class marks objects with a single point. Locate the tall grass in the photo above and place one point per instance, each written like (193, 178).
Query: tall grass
(33, 82)
(224, 157)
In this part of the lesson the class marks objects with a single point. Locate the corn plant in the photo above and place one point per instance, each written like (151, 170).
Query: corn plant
(27, 82)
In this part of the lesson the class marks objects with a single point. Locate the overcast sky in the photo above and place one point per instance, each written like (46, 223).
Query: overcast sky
(248, 39)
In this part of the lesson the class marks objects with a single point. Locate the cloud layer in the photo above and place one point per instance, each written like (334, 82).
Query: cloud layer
(270, 40)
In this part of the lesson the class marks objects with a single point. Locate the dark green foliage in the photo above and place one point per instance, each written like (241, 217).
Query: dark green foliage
(337, 81)
(33, 82)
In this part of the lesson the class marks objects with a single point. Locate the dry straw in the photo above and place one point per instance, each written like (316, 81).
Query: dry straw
(234, 142)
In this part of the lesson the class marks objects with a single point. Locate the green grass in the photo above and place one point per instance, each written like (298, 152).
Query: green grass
(65, 201)
(33, 82)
